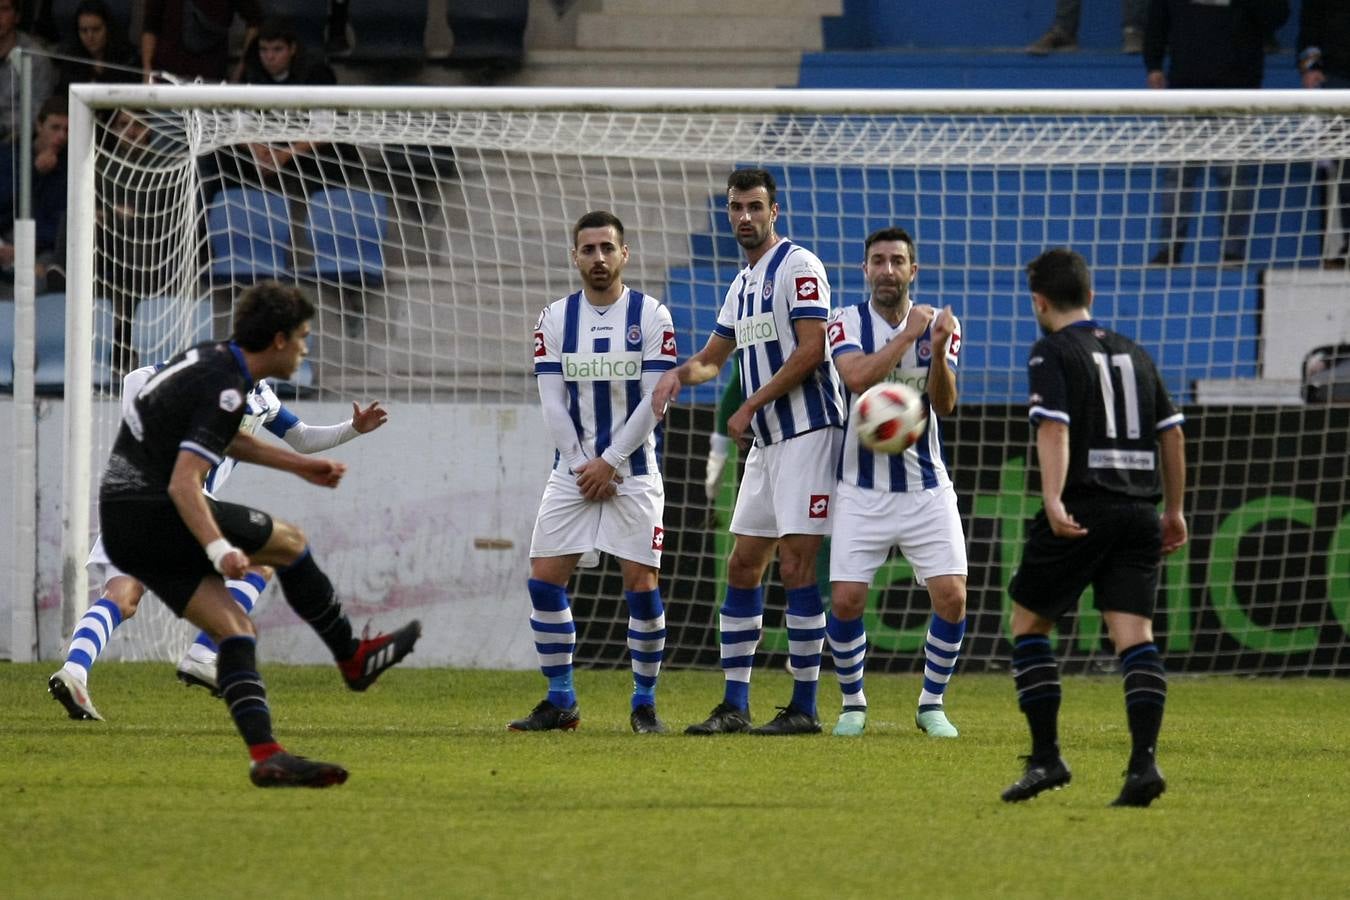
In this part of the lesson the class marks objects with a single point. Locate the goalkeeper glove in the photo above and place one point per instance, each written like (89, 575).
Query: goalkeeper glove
(719, 447)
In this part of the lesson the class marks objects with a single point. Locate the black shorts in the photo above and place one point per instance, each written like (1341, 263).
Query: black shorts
(1119, 557)
(146, 538)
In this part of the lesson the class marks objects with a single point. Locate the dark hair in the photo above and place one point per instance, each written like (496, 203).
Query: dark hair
(267, 309)
(1061, 276)
(55, 105)
(597, 218)
(894, 233)
(93, 8)
(749, 179)
(278, 28)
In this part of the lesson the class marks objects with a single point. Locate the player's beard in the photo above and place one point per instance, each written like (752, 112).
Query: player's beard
(752, 239)
(600, 279)
(890, 296)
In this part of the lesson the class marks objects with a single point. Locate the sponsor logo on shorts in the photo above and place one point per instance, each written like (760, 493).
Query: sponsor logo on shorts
(658, 537)
(808, 289)
(539, 344)
(819, 507)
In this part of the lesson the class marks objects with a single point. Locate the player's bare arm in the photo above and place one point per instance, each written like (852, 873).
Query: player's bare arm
(702, 366)
(1052, 446)
(1172, 449)
(942, 377)
(801, 362)
(316, 470)
(862, 370)
(364, 421)
(185, 490)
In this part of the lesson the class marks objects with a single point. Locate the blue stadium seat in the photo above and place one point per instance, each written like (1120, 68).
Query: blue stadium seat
(159, 328)
(6, 346)
(49, 350)
(347, 229)
(249, 231)
(487, 32)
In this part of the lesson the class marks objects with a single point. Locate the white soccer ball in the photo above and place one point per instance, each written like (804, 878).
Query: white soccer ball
(889, 417)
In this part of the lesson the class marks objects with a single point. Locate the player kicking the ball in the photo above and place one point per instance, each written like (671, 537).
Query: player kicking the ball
(598, 354)
(905, 499)
(121, 595)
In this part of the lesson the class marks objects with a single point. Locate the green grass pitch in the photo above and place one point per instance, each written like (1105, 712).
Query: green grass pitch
(443, 801)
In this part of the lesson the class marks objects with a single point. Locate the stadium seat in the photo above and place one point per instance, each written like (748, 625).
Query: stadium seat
(487, 32)
(49, 344)
(249, 231)
(6, 346)
(159, 328)
(347, 229)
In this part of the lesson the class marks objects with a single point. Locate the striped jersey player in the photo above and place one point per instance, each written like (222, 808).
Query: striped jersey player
(598, 354)
(773, 317)
(905, 500)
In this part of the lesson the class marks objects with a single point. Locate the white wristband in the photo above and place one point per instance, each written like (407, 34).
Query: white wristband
(218, 550)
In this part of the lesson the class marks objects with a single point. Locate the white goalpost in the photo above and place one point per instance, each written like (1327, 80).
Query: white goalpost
(431, 226)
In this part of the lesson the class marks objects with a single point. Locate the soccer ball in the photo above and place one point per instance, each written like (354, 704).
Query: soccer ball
(889, 417)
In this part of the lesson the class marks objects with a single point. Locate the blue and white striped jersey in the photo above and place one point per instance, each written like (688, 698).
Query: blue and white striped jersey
(601, 354)
(263, 409)
(764, 300)
(860, 329)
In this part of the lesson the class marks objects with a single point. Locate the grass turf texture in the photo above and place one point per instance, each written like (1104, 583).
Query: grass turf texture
(443, 801)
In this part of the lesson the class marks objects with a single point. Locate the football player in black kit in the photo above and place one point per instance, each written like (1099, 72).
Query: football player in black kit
(159, 526)
(1106, 430)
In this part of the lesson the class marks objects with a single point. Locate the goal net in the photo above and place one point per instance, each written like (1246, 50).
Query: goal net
(431, 226)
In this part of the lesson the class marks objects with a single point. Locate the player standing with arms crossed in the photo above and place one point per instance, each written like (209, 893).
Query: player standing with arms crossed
(774, 317)
(598, 354)
(1106, 429)
(905, 499)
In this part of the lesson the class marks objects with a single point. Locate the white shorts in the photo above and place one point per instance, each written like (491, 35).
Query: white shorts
(787, 486)
(925, 525)
(99, 564)
(627, 525)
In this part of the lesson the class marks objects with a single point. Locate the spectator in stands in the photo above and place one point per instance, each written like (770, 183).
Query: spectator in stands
(338, 35)
(278, 57)
(44, 76)
(99, 47)
(1324, 60)
(130, 227)
(1063, 34)
(48, 198)
(1208, 45)
(191, 38)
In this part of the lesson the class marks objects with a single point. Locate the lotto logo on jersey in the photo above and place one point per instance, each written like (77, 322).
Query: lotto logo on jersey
(658, 538)
(808, 289)
(668, 343)
(835, 333)
(819, 507)
(954, 345)
(539, 344)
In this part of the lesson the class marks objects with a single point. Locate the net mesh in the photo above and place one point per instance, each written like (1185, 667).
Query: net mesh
(430, 239)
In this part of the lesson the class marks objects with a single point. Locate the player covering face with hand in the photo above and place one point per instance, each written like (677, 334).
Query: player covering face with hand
(906, 499)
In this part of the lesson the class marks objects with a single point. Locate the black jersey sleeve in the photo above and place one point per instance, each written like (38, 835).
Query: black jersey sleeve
(215, 420)
(1049, 392)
